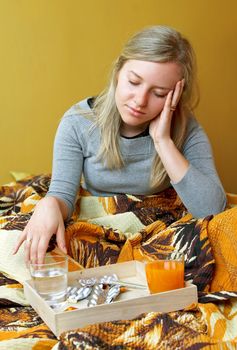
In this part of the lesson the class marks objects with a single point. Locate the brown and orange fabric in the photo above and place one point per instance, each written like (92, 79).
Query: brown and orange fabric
(203, 327)
(120, 228)
(93, 246)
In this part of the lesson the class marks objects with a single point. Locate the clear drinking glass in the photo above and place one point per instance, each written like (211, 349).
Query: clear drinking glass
(50, 279)
(165, 273)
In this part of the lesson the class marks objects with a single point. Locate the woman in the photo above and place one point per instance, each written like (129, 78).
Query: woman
(138, 137)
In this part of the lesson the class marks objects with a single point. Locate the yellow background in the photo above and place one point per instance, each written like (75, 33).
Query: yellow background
(56, 52)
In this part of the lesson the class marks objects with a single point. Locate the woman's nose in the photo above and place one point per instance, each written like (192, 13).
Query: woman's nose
(141, 99)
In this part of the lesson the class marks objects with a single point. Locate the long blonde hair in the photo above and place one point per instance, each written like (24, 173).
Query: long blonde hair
(154, 44)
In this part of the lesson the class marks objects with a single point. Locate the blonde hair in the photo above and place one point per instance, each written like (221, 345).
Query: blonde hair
(154, 44)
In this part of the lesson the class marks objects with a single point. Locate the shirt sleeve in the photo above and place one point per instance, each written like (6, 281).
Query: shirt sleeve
(67, 163)
(200, 189)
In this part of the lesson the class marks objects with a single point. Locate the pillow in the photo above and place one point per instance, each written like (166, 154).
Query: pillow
(222, 233)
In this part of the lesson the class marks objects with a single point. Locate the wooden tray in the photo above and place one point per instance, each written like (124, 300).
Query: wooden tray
(129, 304)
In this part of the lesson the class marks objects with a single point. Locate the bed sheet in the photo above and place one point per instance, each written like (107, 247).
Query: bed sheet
(115, 229)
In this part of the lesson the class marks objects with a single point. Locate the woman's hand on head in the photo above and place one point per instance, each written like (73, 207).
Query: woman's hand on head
(46, 220)
(159, 128)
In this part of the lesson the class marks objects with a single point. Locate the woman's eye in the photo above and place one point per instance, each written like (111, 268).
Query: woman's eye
(132, 82)
(159, 95)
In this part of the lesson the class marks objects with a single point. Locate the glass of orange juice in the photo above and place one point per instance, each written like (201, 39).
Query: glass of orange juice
(165, 273)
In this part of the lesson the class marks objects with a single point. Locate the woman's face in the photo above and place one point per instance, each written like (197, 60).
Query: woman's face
(141, 91)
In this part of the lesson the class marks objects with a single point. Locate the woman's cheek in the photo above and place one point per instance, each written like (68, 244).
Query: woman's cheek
(158, 107)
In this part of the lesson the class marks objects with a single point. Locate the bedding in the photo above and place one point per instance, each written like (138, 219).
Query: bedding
(106, 230)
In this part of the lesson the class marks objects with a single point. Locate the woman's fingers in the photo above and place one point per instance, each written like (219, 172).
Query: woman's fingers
(30, 246)
(35, 249)
(168, 102)
(60, 237)
(160, 126)
(27, 248)
(42, 249)
(177, 94)
(31, 251)
(46, 220)
(20, 240)
(173, 97)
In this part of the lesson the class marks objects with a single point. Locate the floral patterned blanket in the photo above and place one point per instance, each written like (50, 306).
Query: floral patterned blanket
(116, 229)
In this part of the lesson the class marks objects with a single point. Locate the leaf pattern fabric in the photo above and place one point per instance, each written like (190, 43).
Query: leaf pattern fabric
(106, 230)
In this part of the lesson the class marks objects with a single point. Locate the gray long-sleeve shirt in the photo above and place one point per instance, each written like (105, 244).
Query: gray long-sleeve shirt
(75, 154)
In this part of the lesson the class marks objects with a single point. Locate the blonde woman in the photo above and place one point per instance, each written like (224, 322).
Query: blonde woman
(138, 136)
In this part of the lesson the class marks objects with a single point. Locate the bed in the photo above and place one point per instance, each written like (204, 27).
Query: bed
(107, 230)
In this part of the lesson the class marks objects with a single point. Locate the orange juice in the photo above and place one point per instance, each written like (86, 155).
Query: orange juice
(163, 275)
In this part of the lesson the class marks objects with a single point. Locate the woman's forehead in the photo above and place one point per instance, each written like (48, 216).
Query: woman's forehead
(162, 74)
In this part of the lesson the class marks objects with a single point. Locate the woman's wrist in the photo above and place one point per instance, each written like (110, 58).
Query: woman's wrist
(176, 165)
(164, 144)
(55, 201)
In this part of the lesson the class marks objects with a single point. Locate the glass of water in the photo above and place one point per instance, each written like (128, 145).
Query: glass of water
(50, 280)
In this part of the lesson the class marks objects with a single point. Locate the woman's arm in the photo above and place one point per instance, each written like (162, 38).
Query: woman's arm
(200, 188)
(51, 211)
(192, 172)
(67, 160)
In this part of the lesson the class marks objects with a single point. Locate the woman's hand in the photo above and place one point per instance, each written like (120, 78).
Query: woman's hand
(160, 126)
(46, 220)
(173, 160)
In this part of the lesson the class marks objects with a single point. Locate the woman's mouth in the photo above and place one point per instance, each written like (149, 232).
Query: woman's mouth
(134, 112)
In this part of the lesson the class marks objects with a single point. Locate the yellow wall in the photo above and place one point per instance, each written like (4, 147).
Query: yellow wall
(56, 52)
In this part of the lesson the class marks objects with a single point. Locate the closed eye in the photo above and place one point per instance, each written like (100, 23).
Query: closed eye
(159, 95)
(132, 82)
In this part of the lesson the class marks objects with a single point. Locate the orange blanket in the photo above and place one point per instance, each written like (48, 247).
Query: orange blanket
(107, 230)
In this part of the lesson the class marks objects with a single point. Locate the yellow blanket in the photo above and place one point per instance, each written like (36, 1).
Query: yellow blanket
(115, 229)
